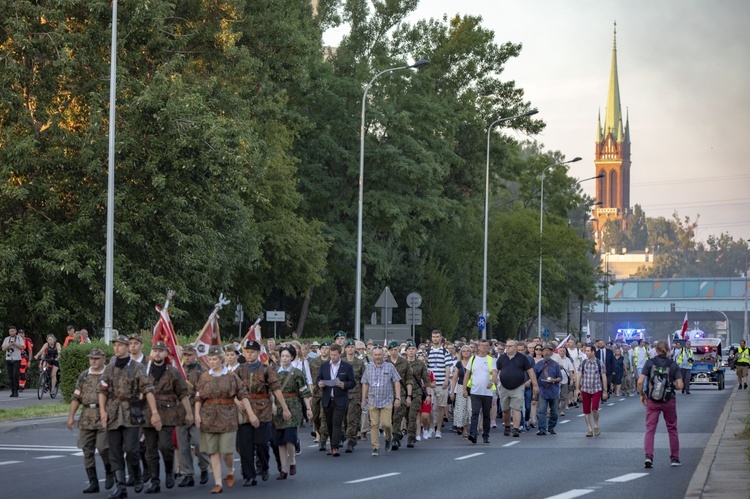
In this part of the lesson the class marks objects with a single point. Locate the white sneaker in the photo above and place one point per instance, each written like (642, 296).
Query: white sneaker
(419, 439)
(425, 435)
(438, 434)
(432, 433)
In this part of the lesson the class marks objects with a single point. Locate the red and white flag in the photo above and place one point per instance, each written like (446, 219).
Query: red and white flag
(164, 331)
(210, 334)
(683, 333)
(563, 342)
(253, 333)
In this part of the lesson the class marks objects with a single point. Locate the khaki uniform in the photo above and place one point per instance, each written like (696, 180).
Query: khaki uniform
(319, 422)
(92, 436)
(217, 415)
(399, 414)
(421, 378)
(354, 409)
(190, 435)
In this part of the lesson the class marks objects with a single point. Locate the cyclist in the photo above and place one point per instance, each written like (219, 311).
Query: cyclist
(49, 353)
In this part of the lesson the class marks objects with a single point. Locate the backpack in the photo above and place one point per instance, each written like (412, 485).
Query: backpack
(659, 385)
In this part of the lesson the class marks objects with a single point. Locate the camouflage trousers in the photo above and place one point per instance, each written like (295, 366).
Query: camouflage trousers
(353, 419)
(399, 415)
(319, 418)
(416, 405)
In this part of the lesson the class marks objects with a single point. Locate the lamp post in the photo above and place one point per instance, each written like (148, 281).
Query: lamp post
(358, 294)
(541, 219)
(109, 279)
(486, 211)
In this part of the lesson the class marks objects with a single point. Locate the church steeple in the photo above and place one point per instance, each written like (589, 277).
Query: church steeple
(613, 118)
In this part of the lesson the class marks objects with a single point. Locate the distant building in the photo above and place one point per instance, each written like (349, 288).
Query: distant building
(612, 159)
(625, 265)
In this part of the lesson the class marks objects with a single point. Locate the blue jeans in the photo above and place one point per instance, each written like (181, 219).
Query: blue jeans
(541, 413)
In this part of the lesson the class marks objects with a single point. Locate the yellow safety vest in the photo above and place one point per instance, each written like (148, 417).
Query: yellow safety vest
(635, 354)
(682, 352)
(743, 355)
(471, 373)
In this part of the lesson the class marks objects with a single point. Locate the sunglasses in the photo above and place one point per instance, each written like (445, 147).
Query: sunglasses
(538, 349)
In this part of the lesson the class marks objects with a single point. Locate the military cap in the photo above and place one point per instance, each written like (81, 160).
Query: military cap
(158, 345)
(410, 344)
(215, 350)
(315, 344)
(393, 344)
(339, 334)
(188, 349)
(136, 337)
(96, 353)
(252, 345)
(349, 343)
(121, 339)
(230, 348)
(325, 343)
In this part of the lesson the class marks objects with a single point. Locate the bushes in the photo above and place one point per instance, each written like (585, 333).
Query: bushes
(73, 362)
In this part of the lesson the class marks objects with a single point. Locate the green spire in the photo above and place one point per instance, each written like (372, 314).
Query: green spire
(613, 118)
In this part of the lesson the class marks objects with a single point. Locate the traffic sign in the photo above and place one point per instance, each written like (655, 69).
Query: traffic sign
(414, 299)
(482, 322)
(545, 333)
(275, 316)
(386, 299)
(414, 316)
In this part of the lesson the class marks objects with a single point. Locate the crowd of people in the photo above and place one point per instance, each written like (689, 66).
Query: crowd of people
(140, 412)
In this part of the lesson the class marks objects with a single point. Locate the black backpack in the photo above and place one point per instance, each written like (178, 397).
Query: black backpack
(659, 384)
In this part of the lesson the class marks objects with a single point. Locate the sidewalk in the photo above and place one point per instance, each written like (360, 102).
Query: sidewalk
(26, 398)
(724, 471)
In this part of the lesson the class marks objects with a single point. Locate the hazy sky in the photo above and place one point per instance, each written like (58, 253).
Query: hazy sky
(684, 70)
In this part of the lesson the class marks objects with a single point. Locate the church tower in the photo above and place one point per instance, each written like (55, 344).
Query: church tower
(612, 159)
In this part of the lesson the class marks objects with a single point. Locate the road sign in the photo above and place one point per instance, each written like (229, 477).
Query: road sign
(414, 316)
(545, 333)
(482, 322)
(275, 316)
(414, 299)
(386, 300)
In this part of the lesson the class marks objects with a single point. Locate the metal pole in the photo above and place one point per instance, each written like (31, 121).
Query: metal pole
(109, 280)
(358, 292)
(744, 327)
(487, 211)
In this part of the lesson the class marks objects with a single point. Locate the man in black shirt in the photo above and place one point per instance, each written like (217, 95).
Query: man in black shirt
(511, 367)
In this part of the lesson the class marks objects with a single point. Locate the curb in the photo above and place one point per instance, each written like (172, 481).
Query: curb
(700, 477)
(15, 425)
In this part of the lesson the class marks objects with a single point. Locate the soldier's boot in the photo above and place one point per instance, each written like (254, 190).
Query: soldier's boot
(93, 481)
(155, 487)
(120, 492)
(137, 480)
(109, 478)
(169, 471)
(349, 446)
(395, 441)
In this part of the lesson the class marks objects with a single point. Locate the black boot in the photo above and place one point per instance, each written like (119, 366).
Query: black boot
(93, 481)
(109, 479)
(169, 471)
(137, 480)
(120, 492)
(154, 488)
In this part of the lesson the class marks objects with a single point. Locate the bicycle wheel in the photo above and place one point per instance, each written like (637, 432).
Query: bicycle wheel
(42, 384)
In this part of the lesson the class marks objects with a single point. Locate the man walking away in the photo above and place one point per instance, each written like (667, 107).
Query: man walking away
(656, 385)
(741, 364)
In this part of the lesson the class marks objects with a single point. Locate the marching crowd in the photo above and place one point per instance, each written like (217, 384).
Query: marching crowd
(140, 412)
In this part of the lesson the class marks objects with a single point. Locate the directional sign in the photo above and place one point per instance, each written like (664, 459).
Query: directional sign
(545, 333)
(275, 316)
(414, 316)
(414, 299)
(482, 322)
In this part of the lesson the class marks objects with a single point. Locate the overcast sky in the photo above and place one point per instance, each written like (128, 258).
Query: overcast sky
(684, 70)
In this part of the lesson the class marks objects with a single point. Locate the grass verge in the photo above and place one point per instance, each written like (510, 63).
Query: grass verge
(35, 411)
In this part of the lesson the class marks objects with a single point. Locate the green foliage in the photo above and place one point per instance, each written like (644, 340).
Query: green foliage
(637, 234)
(439, 308)
(73, 362)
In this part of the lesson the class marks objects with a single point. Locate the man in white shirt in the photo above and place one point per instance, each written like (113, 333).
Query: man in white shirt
(481, 380)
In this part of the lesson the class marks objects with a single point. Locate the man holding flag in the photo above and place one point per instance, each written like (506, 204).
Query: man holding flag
(210, 334)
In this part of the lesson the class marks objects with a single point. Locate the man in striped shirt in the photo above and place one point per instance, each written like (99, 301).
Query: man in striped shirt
(439, 362)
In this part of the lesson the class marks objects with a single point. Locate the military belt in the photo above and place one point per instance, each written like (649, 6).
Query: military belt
(90, 406)
(259, 396)
(168, 398)
(219, 401)
(291, 395)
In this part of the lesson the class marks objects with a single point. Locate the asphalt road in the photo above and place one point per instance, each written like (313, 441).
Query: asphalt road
(44, 459)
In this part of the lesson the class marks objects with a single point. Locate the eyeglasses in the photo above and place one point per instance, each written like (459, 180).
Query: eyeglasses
(538, 349)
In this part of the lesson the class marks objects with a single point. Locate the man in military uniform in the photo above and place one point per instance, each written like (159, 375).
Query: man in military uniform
(352, 421)
(421, 378)
(319, 423)
(189, 434)
(402, 368)
(136, 353)
(260, 382)
(92, 435)
(173, 405)
(123, 381)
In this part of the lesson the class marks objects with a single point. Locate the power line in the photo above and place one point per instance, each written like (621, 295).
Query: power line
(692, 180)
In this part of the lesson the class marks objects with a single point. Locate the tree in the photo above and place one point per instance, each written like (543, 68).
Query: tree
(614, 237)
(439, 302)
(637, 233)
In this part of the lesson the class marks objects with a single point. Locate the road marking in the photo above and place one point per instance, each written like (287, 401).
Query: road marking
(9, 462)
(313, 445)
(571, 493)
(611, 404)
(373, 478)
(581, 415)
(39, 448)
(78, 454)
(626, 478)
(622, 400)
(48, 457)
(564, 421)
(511, 444)
(469, 456)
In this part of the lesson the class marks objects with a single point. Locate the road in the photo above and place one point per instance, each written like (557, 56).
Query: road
(45, 460)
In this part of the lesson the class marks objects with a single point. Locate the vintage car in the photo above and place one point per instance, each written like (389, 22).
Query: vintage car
(707, 366)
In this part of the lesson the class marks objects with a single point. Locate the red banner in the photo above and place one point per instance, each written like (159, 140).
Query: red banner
(164, 331)
(253, 333)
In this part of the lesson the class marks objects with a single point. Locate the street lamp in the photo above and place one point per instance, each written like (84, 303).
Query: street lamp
(358, 299)
(541, 218)
(486, 211)
(109, 279)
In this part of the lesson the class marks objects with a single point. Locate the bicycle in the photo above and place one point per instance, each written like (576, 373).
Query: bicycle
(45, 381)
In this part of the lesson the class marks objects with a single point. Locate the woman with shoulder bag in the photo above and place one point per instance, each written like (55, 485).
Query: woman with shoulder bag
(462, 410)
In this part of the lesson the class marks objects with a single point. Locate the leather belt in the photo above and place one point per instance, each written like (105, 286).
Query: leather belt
(219, 401)
(290, 395)
(257, 396)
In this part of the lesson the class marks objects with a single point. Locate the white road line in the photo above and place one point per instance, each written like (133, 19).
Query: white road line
(373, 478)
(78, 454)
(581, 415)
(626, 478)
(571, 493)
(48, 457)
(622, 400)
(313, 445)
(9, 462)
(476, 454)
(512, 444)
(39, 448)
(564, 421)
(611, 404)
